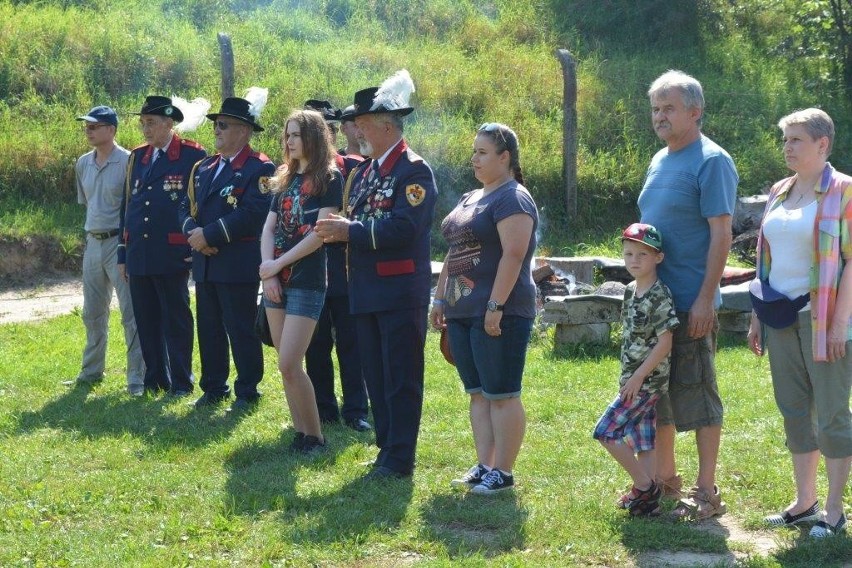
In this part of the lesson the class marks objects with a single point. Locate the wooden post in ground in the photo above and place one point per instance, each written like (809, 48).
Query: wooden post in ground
(227, 65)
(569, 129)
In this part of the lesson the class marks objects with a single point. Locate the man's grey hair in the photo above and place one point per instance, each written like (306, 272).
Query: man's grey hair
(816, 122)
(687, 85)
(394, 120)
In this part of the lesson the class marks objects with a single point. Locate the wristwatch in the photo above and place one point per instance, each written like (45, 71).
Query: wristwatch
(493, 306)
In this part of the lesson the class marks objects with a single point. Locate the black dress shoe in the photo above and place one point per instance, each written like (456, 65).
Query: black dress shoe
(381, 472)
(207, 400)
(359, 425)
(244, 405)
(179, 393)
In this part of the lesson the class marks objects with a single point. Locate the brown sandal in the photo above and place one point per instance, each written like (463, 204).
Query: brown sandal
(699, 505)
(672, 487)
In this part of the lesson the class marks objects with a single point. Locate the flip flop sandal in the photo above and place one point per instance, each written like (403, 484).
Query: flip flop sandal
(785, 519)
(700, 505)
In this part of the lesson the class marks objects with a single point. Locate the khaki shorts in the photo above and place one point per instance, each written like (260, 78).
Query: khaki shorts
(693, 399)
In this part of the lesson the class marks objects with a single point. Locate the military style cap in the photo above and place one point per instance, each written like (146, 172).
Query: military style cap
(161, 106)
(645, 234)
(238, 108)
(325, 108)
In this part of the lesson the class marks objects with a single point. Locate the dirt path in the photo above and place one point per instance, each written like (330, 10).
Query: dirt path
(50, 298)
(746, 543)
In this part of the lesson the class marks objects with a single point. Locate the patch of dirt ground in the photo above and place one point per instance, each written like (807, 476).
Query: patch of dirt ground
(50, 298)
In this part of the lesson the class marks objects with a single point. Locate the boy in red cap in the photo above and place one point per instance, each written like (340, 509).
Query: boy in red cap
(627, 427)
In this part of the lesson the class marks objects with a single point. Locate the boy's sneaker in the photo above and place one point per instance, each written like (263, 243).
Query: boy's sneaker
(473, 477)
(493, 482)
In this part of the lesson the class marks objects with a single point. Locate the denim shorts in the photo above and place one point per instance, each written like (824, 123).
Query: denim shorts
(299, 302)
(493, 366)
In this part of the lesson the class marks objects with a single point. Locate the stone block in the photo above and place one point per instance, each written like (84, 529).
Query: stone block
(587, 333)
(736, 298)
(577, 310)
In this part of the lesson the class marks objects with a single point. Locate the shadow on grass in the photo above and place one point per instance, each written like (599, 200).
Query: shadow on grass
(833, 552)
(468, 523)
(263, 478)
(82, 410)
(652, 539)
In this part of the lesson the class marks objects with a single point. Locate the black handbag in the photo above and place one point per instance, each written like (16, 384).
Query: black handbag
(261, 325)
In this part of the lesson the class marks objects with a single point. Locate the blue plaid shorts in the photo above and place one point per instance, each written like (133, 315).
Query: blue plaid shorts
(634, 423)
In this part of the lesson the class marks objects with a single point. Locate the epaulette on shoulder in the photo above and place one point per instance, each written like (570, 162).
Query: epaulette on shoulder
(139, 147)
(191, 144)
(413, 157)
(260, 156)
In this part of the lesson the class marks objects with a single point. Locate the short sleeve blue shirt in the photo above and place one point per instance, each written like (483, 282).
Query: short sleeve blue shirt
(682, 190)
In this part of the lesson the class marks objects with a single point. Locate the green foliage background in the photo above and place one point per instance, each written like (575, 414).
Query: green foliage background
(472, 61)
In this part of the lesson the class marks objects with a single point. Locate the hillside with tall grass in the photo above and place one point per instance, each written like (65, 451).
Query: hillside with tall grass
(472, 61)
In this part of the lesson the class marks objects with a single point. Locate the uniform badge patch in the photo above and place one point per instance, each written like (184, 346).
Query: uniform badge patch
(263, 184)
(415, 194)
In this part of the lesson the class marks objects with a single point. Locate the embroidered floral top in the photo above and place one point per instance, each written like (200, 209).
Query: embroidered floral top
(832, 248)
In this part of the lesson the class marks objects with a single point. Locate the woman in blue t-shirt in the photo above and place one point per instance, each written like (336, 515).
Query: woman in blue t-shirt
(486, 299)
(307, 187)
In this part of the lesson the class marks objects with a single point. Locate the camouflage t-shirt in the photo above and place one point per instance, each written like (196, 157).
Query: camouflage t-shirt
(643, 320)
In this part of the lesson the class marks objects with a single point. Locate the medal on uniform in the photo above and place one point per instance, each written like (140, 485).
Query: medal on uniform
(226, 191)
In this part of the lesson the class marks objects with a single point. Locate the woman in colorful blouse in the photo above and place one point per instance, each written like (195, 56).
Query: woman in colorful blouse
(307, 187)
(803, 246)
(486, 298)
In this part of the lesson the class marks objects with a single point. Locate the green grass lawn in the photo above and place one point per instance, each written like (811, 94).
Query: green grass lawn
(95, 478)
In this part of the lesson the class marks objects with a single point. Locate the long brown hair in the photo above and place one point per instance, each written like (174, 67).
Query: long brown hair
(317, 149)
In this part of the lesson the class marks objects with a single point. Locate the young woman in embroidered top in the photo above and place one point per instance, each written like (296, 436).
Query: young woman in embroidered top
(307, 187)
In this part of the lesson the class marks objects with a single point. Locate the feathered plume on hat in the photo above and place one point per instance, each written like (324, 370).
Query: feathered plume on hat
(194, 112)
(256, 97)
(394, 92)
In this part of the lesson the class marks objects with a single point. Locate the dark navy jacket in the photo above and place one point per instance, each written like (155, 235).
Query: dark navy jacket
(336, 252)
(231, 209)
(392, 210)
(151, 241)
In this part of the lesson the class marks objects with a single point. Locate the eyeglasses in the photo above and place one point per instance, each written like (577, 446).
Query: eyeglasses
(222, 125)
(92, 127)
(506, 135)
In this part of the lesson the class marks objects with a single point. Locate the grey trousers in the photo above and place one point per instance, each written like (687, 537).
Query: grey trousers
(100, 276)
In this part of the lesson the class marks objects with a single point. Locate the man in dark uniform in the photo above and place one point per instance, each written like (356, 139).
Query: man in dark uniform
(336, 325)
(222, 218)
(153, 253)
(389, 215)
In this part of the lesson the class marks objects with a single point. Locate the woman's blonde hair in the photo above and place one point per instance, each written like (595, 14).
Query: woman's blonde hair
(817, 124)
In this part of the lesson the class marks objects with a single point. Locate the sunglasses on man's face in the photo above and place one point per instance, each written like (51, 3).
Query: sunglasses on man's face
(93, 127)
(222, 125)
